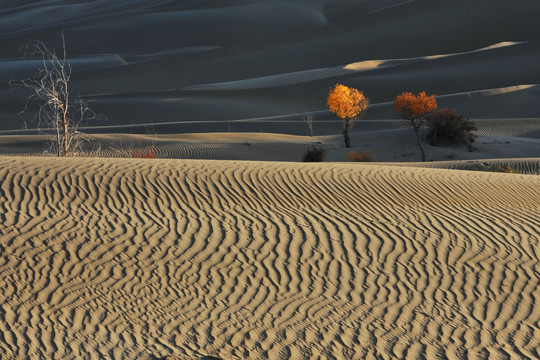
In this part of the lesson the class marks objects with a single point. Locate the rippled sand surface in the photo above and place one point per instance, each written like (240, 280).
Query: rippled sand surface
(130, 258)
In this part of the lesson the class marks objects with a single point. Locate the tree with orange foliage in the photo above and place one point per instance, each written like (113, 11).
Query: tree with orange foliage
(413, 109)
(347, 103)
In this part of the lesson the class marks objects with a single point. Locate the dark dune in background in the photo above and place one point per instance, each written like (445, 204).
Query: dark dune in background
(152, 61)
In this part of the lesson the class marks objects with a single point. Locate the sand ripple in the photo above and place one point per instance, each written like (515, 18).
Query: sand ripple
(123, 258)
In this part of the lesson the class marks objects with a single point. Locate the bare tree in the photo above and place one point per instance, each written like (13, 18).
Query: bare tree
(57, 110)
(308, 119)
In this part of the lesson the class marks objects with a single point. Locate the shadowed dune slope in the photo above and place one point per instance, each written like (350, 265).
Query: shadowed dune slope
(167, 61)
(396, 146)
(126, 258)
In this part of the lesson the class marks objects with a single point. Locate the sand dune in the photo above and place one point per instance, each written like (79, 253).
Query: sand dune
(254, 255)
(160, 61)
(109, 258)
(530, 166)
(387, 140)
(338, 73)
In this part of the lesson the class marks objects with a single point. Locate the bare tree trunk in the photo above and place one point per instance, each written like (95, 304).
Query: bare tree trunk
(58, 137)
(309, 121)
(65, 126)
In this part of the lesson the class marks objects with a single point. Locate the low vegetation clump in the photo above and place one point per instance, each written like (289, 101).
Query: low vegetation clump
(508, 169)
(364, 156)
(314, 154)
(447, 127)
(144, 154)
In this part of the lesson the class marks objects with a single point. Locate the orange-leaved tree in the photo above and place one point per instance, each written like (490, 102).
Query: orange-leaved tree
(413, 109)
(347, 103)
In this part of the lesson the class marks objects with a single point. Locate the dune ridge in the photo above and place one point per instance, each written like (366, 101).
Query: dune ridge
(127, 258)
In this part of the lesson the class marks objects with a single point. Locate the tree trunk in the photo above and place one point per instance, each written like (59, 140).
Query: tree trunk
(346, 127)
(419, 142)
(58, 137)
(346, 137)
(65, 125)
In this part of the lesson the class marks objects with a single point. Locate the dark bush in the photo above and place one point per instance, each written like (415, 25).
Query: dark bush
(447, 127)
(314, 154)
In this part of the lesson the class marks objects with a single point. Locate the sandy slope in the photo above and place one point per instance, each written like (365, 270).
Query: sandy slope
(112, 258)
(396, 144)
(141, 259)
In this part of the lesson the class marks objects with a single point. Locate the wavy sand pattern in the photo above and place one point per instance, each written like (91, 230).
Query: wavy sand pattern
(116, 258)
(530, 166)
(387, 140)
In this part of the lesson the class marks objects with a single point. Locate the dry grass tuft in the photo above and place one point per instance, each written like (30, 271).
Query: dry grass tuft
(364, 156)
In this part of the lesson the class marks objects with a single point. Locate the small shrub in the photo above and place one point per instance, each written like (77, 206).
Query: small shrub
(499, 168)
(144, 154)
(314, 154)
(447, 127)
(507, 169)
(364, 156)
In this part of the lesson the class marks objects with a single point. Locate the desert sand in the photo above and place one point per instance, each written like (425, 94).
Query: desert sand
(130, 258)
(392, 147)
(225, 245)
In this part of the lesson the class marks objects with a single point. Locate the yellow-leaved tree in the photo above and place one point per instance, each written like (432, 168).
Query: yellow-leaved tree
(414, 109)
(347, 103)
